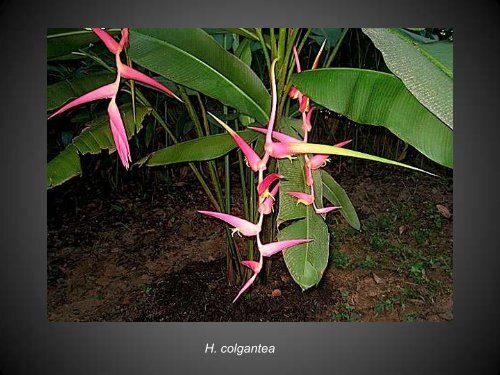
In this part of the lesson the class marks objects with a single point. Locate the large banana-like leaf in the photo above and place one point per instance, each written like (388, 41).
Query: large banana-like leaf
(425, 68)
(334, 193)
(199, 149)
(91, 141)
(194, 59)
(61, 92)
(305, 262)
(376, 98)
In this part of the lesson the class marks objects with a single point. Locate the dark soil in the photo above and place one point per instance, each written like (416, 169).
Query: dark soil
(199, 292)
(143, 253)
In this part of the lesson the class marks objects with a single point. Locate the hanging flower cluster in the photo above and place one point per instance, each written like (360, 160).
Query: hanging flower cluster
(316, 161)
(110, 91)
(277, 145)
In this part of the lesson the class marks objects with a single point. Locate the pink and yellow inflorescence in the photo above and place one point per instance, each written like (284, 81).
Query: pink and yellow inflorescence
(277, 145)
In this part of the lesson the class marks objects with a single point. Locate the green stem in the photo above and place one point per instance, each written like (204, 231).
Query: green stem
(252, 212)
(273, 43)
(336, 49)
(264, 47)
(232, 256)
(281, 44)
(193, 167)
(304, 40)
(244, 192)
(203, 114)
(132, 89)
(227, 177)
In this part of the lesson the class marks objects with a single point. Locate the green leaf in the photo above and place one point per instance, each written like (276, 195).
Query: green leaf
(376, 98)
(92, 140)
(294, 178)
(62, 42)
(199, 149)
(194, 59)
(334, 193)
(61, 92)
(307, 262)
(98, 136)
(425, 71)
(294, 181)
(244, 52)
(247, 33)
(63, 167)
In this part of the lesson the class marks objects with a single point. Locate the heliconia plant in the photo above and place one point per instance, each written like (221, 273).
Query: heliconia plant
(283, 147)
(284, 185)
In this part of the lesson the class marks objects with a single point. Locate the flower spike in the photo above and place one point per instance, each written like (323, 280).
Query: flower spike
(124, 42)
(266, 182)
(253, 160)
(119, 133)
(281, 150)
(252, 264)
(303, 198)
(110, 91)
(316, 60)
(294, 92)
(320, 160)
(242, 226)
(308, 169)
(326, 210)
(256, 269)
(108, 40)
(246, 286)
(103, 92)
(266, 207)
(131, 73)
(281, 137)
(297, 61)
(317, 161)
(272, 248)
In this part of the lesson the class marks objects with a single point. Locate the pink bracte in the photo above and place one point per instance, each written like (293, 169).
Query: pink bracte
(110, 91)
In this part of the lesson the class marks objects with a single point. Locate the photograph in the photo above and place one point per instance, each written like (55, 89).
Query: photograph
(249, 175)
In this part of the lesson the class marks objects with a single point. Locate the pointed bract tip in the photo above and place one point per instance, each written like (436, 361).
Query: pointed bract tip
(316, 60)
(254, 161)
(343, 143)
(246, 286)
(242, 226)
(253, 265)
(130, 73)
(272, 248)
(112, 45)
(326, 210)
(103, 92)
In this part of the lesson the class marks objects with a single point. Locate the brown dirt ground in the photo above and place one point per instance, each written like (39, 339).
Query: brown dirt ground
(146, 255)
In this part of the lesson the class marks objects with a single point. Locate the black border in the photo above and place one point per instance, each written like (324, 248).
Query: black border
(29, 344)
